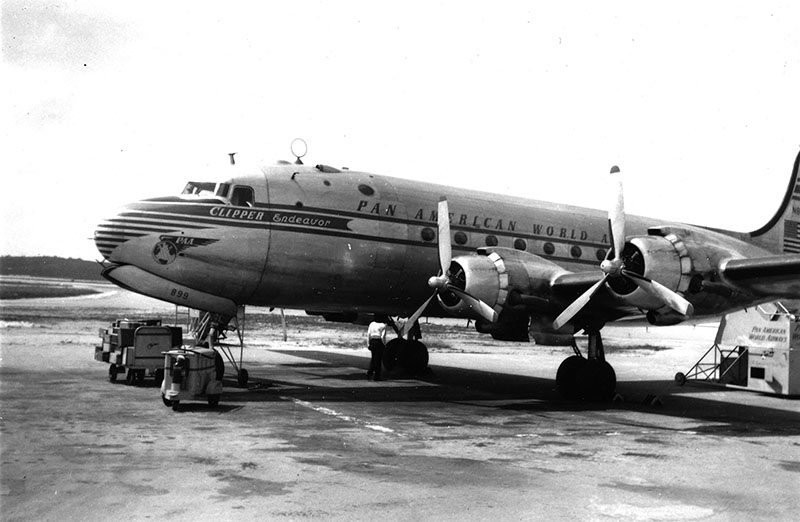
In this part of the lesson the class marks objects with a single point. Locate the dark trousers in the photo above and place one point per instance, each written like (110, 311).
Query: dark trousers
(376, 347)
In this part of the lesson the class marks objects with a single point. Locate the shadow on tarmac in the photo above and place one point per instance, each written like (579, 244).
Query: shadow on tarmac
(517, 393)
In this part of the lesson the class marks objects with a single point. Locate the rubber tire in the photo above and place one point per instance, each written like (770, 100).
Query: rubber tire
(158, 375)
(391, 354)
(176, 405)
(242, 378)
(130, 377)
(568, 377)
(414, 357)
(598, 381)
(112, 373)
(219, 366)
(168, 403)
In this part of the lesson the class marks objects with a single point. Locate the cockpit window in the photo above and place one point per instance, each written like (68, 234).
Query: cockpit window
(222, 189)
(242, 196)
(197, 188)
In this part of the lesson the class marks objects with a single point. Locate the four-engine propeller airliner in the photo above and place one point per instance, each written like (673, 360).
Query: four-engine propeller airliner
(347, 244)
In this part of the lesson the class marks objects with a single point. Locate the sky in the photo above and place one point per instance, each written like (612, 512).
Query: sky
(105, 103)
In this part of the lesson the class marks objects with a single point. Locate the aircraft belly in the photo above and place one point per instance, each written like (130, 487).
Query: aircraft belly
(137, 280)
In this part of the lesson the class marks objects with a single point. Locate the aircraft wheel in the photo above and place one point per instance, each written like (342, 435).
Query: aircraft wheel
(242, 378)
(159, 376)
(680, 378)
(598, 381)
(392, 353)
(112, 373)
(167, 402)
(219, 366)
(414, 357)
(568, 376)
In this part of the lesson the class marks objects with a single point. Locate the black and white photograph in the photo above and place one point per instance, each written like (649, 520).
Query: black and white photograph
(404, 261)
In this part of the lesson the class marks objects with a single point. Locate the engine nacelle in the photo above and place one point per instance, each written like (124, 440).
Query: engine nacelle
(664, 259)
(665, 318)
(491, 276)
(478, 276)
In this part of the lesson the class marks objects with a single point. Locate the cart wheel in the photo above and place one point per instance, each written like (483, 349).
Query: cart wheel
(112, 373)
(159, 376)
(130, 377)
(167, 402)
(213, 400)
(243, 376)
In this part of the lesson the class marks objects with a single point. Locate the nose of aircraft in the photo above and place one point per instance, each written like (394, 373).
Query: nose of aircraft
(106, 238)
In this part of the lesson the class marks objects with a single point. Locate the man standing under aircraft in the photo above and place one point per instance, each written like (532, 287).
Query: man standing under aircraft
(377, 342)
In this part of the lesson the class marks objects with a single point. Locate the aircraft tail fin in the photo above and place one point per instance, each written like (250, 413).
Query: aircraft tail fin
(781, 234)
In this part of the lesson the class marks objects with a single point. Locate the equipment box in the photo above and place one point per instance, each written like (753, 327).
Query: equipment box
(135, 348)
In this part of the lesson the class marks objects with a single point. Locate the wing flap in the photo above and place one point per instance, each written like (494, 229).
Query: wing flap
(777, 276)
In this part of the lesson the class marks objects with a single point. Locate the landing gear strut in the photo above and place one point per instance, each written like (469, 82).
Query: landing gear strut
(409, 354)
(212, 329)
(590, 378)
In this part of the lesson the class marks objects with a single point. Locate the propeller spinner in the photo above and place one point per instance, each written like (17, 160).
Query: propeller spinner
(615, 266)
(442, 283)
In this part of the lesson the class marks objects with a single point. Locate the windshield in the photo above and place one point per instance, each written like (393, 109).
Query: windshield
(206, 190)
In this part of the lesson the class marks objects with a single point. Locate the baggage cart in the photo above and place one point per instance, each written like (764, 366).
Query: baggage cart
(192, 374)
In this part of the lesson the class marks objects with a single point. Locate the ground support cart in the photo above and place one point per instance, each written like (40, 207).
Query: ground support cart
(192, 374)
(135, 349)
(755, 349)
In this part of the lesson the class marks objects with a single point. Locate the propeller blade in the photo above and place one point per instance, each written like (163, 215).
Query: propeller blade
(616, 215)
(445, 249)
(661, 292)
(483, 309)
(577, 305)
(415, 317)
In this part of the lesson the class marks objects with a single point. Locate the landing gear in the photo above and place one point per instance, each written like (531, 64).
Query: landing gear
(592, 378)
(212, 330)
(410, 355)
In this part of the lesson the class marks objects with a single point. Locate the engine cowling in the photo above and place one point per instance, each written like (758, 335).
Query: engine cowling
(491, 276)
(664, 259)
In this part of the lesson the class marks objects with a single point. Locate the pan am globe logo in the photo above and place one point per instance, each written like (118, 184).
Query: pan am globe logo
(165, 252)
(169, 247)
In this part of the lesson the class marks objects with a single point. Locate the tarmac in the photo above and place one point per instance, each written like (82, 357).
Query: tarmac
(482, 436)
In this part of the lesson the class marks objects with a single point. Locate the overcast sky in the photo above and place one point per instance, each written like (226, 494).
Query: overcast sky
(106, 102)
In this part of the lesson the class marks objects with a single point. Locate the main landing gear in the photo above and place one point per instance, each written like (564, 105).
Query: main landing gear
(409, 355)
(587, 378)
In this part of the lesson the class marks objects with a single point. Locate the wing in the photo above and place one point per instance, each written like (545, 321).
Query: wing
(776, 276)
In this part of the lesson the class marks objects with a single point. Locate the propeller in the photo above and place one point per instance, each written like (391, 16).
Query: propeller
(442, 282)
(614, 266)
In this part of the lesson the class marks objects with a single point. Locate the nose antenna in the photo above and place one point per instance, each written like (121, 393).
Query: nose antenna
(299, 149)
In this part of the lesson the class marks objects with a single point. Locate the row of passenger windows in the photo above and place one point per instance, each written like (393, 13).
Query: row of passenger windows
(460, 238)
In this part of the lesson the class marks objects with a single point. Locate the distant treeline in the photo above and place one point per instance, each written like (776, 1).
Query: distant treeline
(49, 266)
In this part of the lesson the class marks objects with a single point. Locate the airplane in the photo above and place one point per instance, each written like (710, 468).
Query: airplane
(348, 245)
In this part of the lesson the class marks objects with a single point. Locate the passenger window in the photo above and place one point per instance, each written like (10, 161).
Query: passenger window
(242, 197)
